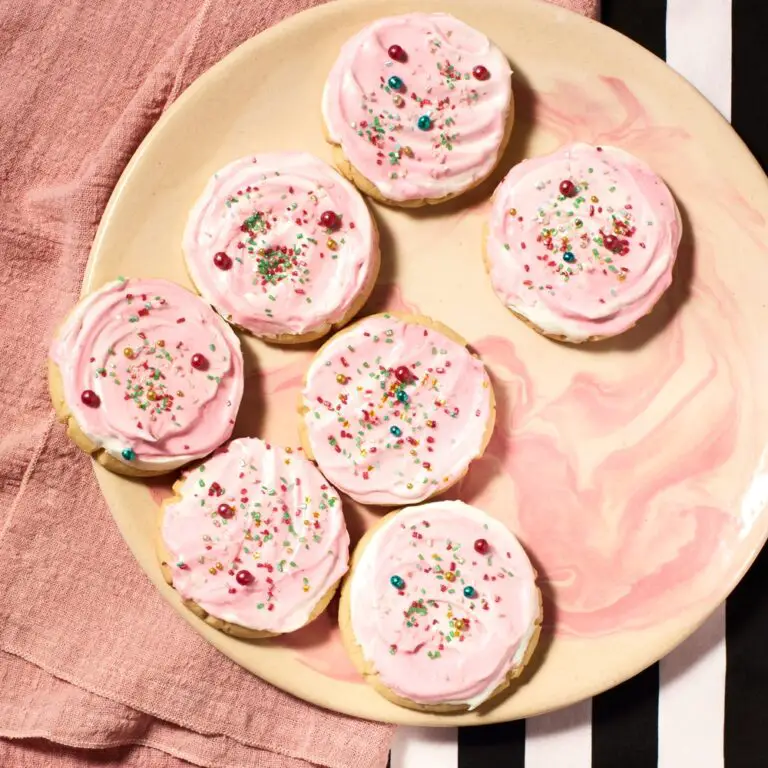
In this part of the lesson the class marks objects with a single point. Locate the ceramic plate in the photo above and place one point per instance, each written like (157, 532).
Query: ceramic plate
(634, 470)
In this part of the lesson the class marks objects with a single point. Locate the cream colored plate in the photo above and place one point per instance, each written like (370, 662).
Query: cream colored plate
(632, 470)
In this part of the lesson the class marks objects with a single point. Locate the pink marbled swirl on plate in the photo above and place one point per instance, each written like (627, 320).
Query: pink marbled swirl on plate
(445, 73)
(582, 242)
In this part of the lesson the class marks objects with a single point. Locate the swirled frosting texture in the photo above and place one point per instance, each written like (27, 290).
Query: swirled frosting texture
(288, 274)
(591, 262)
(461, 621)
(132, 343)
(377, 127)
(282, 525)
(395, 411)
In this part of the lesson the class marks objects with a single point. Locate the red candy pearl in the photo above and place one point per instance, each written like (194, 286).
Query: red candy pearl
(396, 53)
(200, 362)
(567, 188)
(329, 220)
(480, 72)
(402, 373)
(222, 261)
(227, 513)
(244, 578)
(611, 242)
(482, 546)
(90, 398)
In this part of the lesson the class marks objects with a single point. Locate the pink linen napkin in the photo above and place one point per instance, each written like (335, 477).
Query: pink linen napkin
(95, 668)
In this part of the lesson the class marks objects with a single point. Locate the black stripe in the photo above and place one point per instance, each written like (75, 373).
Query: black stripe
(746, 610)
(645, 22)
(625, 723)
(749, 113)
(489, 746)
(389, 760)
(746, 676)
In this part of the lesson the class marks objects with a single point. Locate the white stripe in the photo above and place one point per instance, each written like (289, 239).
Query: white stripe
(692, 699)
(699, 47)
(692, 677)
(425, 748)
(562, 738)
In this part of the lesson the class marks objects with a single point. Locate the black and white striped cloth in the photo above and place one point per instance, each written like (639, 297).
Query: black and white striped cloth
(706, 704)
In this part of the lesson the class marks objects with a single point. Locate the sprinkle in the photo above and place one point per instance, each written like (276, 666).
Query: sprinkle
(397, 582)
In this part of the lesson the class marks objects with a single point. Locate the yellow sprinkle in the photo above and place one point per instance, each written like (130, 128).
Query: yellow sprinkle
(160, 343)
(407, 151)
(363, 452)
(306, 587)
(315, 515)
(289, 550)
(212, 571)
(289, 450)
(398, 99)
(332, 244)
(179, 394)
(151, 395)
(594, 199)
(513, 211)
(341, 378)
(409, 486)
(128, 352)
(449, 576)
(621, 278)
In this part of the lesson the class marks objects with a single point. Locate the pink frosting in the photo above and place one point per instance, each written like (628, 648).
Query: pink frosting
(377, 448)
(461, 620)
(282, 525)
(547, 251)
(377, 126)
(132, 343)
(289, 274)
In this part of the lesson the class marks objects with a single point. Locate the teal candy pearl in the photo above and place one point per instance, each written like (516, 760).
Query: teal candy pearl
(469, 591)
(425, 123)
(397, 582)
(129, 454)
(396, 431)
(402, 395)
(569, 257)
(395, 83)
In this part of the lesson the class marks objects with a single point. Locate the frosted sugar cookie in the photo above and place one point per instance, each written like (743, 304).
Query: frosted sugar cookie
(254, 540)
(581, 243)
(146, 376)
(282, 246)
(419, 108)
(440, 610)
(394, 409)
